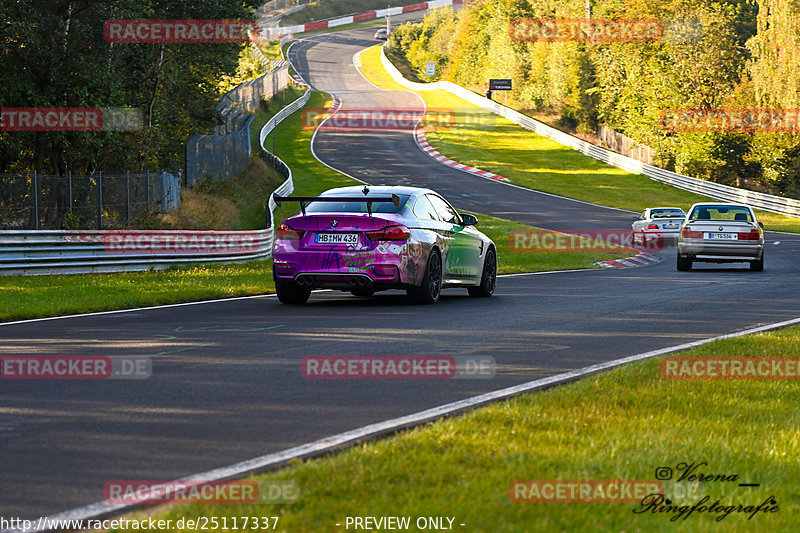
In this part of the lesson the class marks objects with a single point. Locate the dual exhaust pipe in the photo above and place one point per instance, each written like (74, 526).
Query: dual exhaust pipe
(305, 281)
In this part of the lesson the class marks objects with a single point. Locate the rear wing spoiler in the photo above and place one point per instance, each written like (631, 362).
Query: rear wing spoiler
(305, 200)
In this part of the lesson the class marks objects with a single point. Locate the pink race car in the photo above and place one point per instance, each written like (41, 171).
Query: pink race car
(378, 238)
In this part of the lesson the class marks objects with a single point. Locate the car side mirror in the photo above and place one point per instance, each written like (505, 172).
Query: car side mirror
(761, 224)
(635, 219)
(468, 220)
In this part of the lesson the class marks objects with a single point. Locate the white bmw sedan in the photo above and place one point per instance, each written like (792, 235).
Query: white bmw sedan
(721, 233)
(657, 223)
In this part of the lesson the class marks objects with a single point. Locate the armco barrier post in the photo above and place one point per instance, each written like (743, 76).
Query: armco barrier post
(99, 200)
(35, 196)
(178, 183)
(69, 180)
(163, 192)
(127, 198)
(147, 189)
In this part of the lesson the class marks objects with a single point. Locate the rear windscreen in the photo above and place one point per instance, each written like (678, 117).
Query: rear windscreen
(358, 207)
(667, 213)
(721, 212)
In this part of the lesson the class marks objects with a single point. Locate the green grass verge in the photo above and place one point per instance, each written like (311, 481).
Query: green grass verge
(269, 109)
(270, 48)
(510, 261)
(24, 297)
(485, 140)
(622, 424)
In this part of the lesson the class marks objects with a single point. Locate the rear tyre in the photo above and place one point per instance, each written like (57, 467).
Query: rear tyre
(684, 263)
(488, 277)
(290, 292)
(431, 288)
(757, 265)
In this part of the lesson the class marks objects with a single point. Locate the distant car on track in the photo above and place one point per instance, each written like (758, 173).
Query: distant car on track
(364, 240)
(721, 233)
(382, 34)
(657, 223)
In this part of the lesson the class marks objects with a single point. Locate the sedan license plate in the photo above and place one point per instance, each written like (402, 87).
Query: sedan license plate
(721, 236)
(336, 238)
(670, 226)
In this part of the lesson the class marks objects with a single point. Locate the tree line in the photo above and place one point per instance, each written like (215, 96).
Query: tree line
(54, 55)
(710, 55)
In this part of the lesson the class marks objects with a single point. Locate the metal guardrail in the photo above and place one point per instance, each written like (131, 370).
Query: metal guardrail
(340, 20)
(285, 39)
(29, 252)
(766, 202)
(287, 186)
(281, 115)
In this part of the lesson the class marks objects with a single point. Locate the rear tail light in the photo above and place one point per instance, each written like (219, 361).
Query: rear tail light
(390, 233)
(687, 233)
(652, 226)
(754, 235)
(285, 232)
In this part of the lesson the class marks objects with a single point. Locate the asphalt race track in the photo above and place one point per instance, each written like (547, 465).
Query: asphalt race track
(226, 383)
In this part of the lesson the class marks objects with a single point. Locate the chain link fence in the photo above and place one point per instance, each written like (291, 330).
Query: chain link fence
(246, 97)
(226, 153)
(40, 201)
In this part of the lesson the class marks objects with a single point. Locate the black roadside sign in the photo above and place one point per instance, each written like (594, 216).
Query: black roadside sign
(500, 84)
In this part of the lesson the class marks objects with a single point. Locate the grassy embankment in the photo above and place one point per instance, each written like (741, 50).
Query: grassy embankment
(490, 142)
